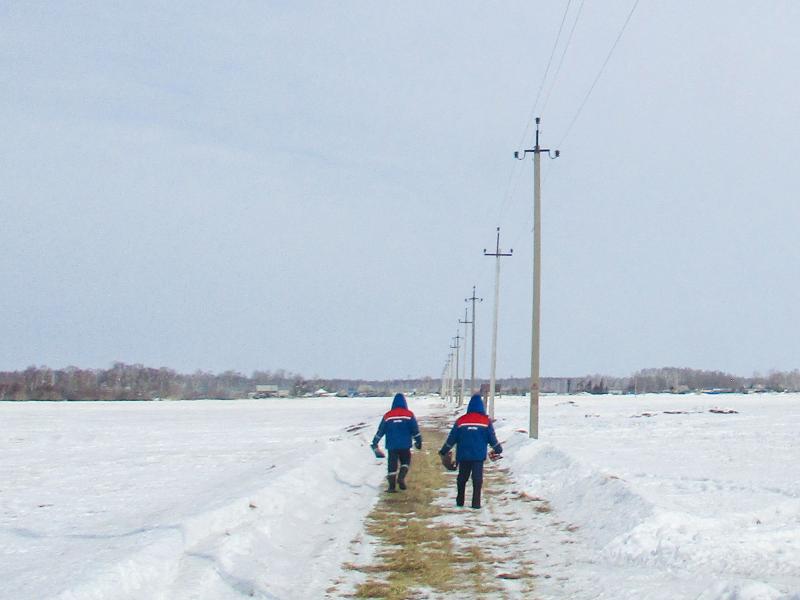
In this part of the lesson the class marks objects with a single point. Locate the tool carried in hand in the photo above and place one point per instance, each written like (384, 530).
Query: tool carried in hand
(448, 462)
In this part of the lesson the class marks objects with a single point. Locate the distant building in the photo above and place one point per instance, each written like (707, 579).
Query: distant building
(266, 391)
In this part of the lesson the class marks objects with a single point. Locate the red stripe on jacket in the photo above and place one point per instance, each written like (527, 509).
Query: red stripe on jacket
(473, 419)
(398, 413)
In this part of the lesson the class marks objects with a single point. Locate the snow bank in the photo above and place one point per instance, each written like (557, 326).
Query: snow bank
(261, 545)
(580, 493)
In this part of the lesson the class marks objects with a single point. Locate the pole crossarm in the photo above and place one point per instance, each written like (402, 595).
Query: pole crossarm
(498, 252)
(553, 154)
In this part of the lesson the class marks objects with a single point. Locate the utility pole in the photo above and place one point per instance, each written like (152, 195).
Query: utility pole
(450, 376)
(446, 379)
(450, 380)
(456, 348)
(464, 363)
(497, 254)
(473, 299)
(537, 275)
(443, 386)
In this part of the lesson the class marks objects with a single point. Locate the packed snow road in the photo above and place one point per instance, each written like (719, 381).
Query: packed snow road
(652, 497)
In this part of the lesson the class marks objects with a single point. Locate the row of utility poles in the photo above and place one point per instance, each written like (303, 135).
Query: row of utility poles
(454, 390)
(450, 387)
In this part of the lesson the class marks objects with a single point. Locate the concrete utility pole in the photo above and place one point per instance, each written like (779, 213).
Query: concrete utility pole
(456, 348)
(464, 363)
(466, 322)
(497, 254)
(446, 378)
(473, 299)
(443, 386)
(450, 377)
(537, 275)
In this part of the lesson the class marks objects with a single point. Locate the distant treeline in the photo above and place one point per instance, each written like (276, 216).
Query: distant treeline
(683, 380)
(132, 382)
(137, 382)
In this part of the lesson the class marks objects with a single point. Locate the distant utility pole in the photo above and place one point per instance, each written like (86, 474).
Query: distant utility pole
(456, 348)
(466, 322)
(537, 275)
(450, 380)
(445, 375)
(443, 386)
(473, 299)
(450, 377)
(497, 254)
(464, 364)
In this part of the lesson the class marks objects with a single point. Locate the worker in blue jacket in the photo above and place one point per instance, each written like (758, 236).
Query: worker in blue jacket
(399, 425)
(471, 435)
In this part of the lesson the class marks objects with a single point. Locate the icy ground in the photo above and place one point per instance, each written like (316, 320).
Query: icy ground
(262, 499)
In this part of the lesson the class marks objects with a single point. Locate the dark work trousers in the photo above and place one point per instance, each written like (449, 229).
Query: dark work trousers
(402, 456)
(467, 468)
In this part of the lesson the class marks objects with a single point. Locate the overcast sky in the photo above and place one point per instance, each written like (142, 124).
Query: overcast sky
(310, 186)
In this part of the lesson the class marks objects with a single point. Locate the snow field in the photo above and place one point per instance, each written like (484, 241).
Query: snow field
(262, 499)
(711, 499)
(179, 500)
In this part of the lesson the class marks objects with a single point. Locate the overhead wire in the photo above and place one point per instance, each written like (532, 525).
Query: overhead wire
(513, 182)
(599, 73)
(513, 179)
(529, 225)
(546, 71)
(514, 169)
(563, 54)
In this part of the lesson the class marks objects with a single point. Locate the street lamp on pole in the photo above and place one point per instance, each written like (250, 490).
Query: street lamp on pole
(537, 150)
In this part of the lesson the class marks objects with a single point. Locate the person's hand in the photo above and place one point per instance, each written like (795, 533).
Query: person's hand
(418, 444)
(493, 456)
(378, 452)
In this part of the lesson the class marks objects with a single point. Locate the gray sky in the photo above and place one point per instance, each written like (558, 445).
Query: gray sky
(310, 186)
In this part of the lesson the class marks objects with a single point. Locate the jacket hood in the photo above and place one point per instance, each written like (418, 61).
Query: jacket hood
(476, 405)
(399, 401)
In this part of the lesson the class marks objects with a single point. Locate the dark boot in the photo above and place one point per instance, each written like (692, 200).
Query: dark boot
(391, 479)
(401, 476)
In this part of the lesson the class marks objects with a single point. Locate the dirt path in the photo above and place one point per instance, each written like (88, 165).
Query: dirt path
(418, 544)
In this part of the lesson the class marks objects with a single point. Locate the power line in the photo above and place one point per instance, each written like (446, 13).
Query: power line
(563, 54)
(513, 180)
(599, 73)
(544, 78)
(514, 170)
(528, 225)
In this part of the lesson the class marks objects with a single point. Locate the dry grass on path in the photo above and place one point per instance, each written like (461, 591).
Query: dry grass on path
(427, 548)
(416, 552)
